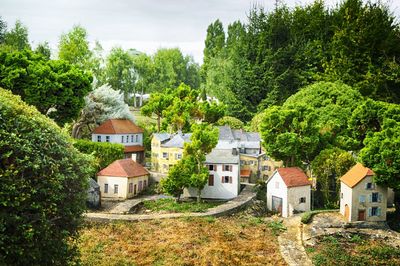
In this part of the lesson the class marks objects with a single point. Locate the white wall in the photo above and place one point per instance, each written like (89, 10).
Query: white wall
(281, 192)
(123, 186)
(345, 198)
(116, 138)
(219, 190)
(294, 195)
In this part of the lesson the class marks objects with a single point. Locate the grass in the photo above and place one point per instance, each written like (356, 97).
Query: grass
(353, 250)
(170, 205)
(195, 241)
(307, 216)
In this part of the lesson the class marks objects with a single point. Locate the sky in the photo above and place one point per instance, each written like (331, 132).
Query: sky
(145, 25)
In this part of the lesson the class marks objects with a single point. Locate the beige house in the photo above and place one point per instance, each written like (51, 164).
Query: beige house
(122, 179)
(288, 191)
(360, 198)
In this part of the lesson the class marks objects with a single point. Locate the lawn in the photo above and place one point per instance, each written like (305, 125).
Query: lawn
(353, 250)
(170, 205)
(185, 241)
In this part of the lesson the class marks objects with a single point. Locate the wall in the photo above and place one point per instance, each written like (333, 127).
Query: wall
(116, 138)
(280, 192)
(219, 190)
(111, 181)
(294, 195)
(135, 181)
(345, 198)
(163, 163)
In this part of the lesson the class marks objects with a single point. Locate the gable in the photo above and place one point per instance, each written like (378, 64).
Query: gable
(355, 175)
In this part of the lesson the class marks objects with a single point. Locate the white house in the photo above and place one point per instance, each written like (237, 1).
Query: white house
(223, 181)
(360, 198)
(122, 179)
(288, 191)
(122, 131)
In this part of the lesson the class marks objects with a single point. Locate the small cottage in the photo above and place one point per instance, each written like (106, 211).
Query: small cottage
(122, 179)
(288, 191)
(360, 198)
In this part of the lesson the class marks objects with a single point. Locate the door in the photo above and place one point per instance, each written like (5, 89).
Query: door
(347, 212)
(361, 215)
(277, 204)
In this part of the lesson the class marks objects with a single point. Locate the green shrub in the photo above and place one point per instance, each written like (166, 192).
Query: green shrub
(105, 152)
(307, 216)
(277, 227)
(43, 187)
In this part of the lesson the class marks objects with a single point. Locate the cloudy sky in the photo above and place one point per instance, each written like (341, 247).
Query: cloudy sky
(145, 25)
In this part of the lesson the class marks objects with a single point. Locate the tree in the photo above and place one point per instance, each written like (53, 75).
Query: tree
(43, 187)
(44, 50)
(381, 154)
(101, 104)
(73, 47)
(211, 112)
(214, 43)
(156, 105)
(120, 71)
(56, 88)
(17, 37)
(328, 167)
(204, 138)
(3, 30)
(233, 122)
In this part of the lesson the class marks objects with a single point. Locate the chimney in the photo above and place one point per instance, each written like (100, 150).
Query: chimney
(134, 157)
(234, 151)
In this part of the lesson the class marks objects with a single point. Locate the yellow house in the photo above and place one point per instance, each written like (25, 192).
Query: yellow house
(167, 150)
(255, 166)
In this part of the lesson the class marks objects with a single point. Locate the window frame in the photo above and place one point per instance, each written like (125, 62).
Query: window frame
(106, 188)
(116, 188)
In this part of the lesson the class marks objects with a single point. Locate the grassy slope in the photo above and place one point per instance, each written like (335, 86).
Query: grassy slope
(189, 241)
(170, 205)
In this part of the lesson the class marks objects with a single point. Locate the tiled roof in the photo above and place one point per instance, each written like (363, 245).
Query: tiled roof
(245, 173)
(293, 177)
(124, 168)
(356, 174)
(118, 126)
(133, 148)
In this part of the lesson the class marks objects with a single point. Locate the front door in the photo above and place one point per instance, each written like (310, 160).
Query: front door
(347, 212)
(361, 215)
(277, 204)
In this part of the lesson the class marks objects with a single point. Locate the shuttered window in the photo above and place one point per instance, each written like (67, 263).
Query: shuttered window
(211, 180)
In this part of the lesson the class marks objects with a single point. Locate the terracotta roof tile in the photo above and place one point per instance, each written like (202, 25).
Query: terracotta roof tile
(135, 148)
(356, 174)
(245, 173)
(118, 126)
(293, 177)
(124, 168)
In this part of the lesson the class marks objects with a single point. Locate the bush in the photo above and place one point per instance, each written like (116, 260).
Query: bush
(105, 152)
(43, 187)
(307, 216)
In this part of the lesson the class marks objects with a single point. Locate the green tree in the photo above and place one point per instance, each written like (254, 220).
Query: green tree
(381, 154)
(56, 88)
(43, 187)
(233, 122)
(44, 50)
(328, 167)
(73, 47)
(214, 43)
(212, 111)
(3, 30)
(17, 37)
(156, 105)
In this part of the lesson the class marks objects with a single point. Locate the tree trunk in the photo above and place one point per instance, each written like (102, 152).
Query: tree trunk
(198, 195)
(178, 198)
(158, 123)
(76, 130)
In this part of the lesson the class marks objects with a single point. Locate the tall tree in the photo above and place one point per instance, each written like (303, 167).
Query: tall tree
(44, 50)
(17, 37)
(3, 30)
(156, 105)
(214, 43)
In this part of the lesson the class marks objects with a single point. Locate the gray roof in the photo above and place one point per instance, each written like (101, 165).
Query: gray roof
(226, 133)
(222, 156)
(162, 136)
(178, 140)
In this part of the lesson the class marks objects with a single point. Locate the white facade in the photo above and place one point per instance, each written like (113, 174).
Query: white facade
(224, 184)
(292, 199)
(121, 187)
(124, 139)
(365, 201)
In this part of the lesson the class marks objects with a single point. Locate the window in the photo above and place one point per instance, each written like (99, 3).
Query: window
(369, 186)
(341, 195)
(98, 138)
(105, 188)
(178, 156)
(302, 200)
(361, 198)
(242, 162)
(375, 197)
(132, 138)
(137, 138)
(130, 187)
(107, 138)
(140, 185)
(212, 167)
(122, 139)
(145, 183)
(227, 167)
(134, 189)
(165, 155)
(211, 180)
(251, 162)
(226, 179)
(374, 211)
(115, 189)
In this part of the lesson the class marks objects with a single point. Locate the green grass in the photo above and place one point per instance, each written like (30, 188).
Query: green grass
(170, 205)
(307, 216)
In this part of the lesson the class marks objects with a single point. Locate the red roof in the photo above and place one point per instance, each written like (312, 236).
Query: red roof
(135, 148)
(293, 177)
(124, 168)
(118, 126)
(356, 174)
(245, 173)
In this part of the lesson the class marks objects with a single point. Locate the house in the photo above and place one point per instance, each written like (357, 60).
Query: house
(360, 198)
(288, 191)
(223, 180)
(167, 150)
(122, 179)
(122, 131)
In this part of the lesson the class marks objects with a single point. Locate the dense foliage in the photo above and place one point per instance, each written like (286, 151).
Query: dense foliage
(105, 152)
(43, 187)
(262, 62)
